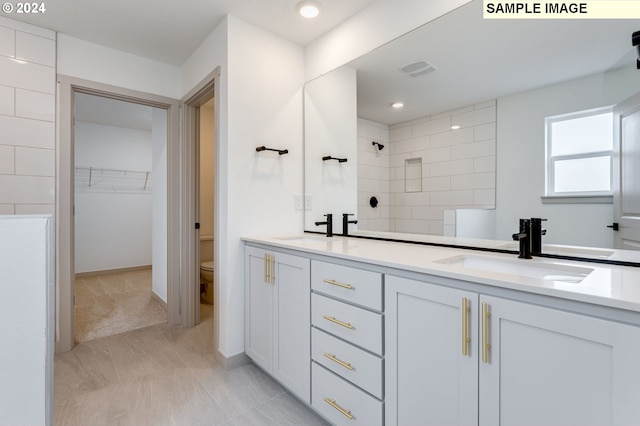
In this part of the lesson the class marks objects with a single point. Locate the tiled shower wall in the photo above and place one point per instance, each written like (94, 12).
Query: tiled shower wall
(431, 168)
(27, 118)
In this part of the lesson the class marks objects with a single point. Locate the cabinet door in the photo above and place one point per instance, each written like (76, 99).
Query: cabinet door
(292, 324)
(429, 381)
(554, 368)
(258, 335)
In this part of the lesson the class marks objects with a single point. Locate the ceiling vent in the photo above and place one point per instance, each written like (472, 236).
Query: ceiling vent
(418, 68)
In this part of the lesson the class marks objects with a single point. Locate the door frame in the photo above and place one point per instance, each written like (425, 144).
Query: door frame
(190, 185)
(65, 227)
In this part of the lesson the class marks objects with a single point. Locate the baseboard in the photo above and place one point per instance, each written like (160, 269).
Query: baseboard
(158, 299)
(233, 361)
(112, 271)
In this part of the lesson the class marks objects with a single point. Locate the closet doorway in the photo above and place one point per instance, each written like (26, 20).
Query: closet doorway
(119, 193)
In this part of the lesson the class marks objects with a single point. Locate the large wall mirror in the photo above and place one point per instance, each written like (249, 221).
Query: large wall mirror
(464, 158)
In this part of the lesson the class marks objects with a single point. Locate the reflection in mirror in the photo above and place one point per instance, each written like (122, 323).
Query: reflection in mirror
(465, 156)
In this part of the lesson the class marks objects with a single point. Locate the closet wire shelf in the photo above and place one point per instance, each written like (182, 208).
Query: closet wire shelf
(96, 179)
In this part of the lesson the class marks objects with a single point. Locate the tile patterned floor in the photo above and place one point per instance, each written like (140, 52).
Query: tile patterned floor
(113, 303)
(162, 375)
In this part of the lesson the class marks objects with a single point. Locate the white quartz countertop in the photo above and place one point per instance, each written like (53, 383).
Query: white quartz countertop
(607, 285)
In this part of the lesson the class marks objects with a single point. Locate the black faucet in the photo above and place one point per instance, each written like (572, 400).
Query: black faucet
(524, 236)
(346, 222)
(536, 235)
(329, 223)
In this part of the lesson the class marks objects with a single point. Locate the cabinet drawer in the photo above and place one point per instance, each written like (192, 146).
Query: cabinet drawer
(353, 324)
(359, 367)
(351, 284)
(341, 402)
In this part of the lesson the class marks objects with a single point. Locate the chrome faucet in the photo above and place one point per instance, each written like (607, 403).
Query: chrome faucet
(329, 223)
(524, 237)
(346, 222)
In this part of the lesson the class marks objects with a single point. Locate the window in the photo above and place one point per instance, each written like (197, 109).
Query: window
(579, 150)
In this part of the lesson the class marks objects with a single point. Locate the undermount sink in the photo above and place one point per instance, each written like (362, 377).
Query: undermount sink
(592, 253)
(520, 267)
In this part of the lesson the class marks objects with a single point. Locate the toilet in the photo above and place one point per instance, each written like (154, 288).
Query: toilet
(206, 276)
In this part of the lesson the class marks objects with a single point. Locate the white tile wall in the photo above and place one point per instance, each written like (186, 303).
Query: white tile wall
(458, 167)
(27, 118)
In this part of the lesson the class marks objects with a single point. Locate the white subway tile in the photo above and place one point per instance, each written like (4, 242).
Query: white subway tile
(437, 155)
(474, 149)
(476, 117)
(412, 226)
(29, 133)
(432, 127)
(484, 164)
(449, 217)
(27, 28)
(491, 103)
(400, 212)
(7, 209)
(452, 137)
(30, 76)
(399, 133)
(36, 105)
(473, 181)
(485, 198)
(7, 100)
(7, 160)
(427, 212)
(439, 183)
(36, 209)
(484, 132)
(36, 49)
(27, 189)
(436, 227)
(7, 42)
(452, 198)
(454, 167)
(35, 161)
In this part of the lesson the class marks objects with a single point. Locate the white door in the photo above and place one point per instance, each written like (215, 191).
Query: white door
(429, 380)
(554, 368)
(626, 173)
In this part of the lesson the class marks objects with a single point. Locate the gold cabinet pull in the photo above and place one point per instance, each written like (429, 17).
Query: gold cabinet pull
(465, 326)
(486, 346)
(266, 269)
(334, 320)
(272, 258)
(339, 284)
(333, 358)
(346, 413)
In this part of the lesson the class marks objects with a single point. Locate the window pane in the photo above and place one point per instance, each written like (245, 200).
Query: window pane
(583, 174)
(580, 135)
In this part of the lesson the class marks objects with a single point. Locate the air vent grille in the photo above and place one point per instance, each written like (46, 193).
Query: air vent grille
(418, 68)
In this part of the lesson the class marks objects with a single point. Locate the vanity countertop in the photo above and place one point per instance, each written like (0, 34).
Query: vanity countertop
(606, 285)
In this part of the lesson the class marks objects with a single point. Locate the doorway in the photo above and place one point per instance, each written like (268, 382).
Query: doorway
(166, 257)
(119, 216)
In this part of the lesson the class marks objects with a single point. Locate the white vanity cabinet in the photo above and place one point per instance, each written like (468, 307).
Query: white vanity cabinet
(347, 344)
(502, 362)
(277, 316)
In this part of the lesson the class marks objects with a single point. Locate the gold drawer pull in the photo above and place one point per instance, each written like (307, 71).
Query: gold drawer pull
(486, 346)
(333, 358)
(346, 413)
(334, 320)
(465, 329)
(336, 283)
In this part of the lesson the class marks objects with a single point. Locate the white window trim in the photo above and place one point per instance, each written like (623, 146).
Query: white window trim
(584, 197)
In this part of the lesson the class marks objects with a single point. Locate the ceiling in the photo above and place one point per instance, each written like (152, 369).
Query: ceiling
(169, 30)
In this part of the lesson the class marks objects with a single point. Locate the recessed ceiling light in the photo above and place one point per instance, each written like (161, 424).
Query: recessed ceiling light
(456, 127)
(308, 8)
(397, 105)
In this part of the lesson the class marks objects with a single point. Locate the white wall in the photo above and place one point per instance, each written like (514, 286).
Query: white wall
(159, 219)
(207, 171)
(27, 118)
(112, 226)
(26, 320)
(330, 120)
(521, 157)
(377, 24)
(93, 62)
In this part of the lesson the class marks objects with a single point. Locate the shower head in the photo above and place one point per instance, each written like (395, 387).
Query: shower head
(380, 146)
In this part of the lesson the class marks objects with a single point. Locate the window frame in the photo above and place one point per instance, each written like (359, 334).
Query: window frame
(551, 160)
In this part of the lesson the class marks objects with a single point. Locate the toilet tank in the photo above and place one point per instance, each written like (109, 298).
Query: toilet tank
(206, 248)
